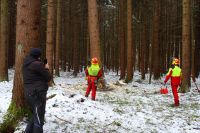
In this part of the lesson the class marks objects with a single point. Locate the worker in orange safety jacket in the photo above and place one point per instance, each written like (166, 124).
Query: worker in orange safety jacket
(175, 74)
(93, 73)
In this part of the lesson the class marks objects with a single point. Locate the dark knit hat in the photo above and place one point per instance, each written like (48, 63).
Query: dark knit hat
(35, 52)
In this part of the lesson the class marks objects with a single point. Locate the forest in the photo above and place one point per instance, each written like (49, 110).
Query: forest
(135, 40)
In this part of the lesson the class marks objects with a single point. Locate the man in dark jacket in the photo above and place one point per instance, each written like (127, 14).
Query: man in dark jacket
(36, 77)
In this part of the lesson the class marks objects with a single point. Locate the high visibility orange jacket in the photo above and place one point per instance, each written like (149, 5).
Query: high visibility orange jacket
(175, 75)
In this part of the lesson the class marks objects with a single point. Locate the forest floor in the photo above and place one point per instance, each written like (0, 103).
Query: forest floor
(124, 108)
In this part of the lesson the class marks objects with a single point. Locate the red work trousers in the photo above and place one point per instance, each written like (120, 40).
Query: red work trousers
(91, 86)
(175, 93)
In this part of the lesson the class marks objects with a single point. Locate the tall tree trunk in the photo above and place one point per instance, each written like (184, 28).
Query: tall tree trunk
(93, 29)
(76, 21)
(27, 36)
(66, 34)
(70, 50)
(75, 48)
(197, 40)
(4, 41)
(122, 39)
(186, 46)
(192, 42)
(155, 43)
(12, 33)
(129, 42)
(50, 33)
(94, 34)
(58, 39)
(143, 47)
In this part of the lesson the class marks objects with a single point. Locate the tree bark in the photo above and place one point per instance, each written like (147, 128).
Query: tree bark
(12, 33)
(27, 36)
(58, 39)
(122, 39)
(4, 41)
(50, 33)
(197, 41)
(186, 46)
(129, 42)
(94, 34)
(94, 29)
(155, 43)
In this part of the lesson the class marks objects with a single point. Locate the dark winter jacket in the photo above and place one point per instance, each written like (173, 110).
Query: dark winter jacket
(35, 76)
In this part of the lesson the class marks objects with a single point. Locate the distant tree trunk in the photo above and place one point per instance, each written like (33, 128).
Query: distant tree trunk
(70, 33)
(85, 33)
(4, 41)
(147, 43)
(116, 35)
(75, 37)
(76, 21)
(143, 47)
(122, 39)
(58, 39)
(186, 46)
(155, 43)
(50, 33)
(66, 34)
(193, 58)
(43, 25)
(129, 42)
(75, 48)
(27, 36)
(177, 39)
(197, 40)
(12, 33)
(192, 42)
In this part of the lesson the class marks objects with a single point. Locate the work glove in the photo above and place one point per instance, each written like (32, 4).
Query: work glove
(86, 78)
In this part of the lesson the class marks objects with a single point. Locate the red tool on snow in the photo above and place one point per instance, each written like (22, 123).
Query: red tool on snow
(163, 90)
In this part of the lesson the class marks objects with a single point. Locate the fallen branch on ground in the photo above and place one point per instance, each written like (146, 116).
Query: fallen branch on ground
(51, 96)
(63, 119)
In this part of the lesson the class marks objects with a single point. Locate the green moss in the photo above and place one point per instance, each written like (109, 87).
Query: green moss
(12, 117)
(195, 105)
(119, 111)
(116, 123)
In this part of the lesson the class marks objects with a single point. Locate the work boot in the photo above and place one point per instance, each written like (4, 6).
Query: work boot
(174, 105)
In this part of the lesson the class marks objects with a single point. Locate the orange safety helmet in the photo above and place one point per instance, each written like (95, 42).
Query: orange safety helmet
(175, 61)
(94, 61)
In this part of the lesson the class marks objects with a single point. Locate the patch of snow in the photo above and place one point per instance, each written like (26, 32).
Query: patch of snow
(127, 108)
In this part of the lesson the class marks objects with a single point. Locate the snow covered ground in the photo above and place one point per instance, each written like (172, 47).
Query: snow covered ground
(125, 108)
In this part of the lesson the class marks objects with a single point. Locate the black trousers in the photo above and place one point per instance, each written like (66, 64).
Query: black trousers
(37, 104)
